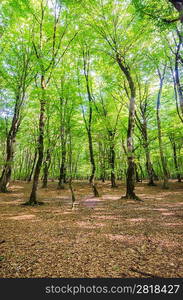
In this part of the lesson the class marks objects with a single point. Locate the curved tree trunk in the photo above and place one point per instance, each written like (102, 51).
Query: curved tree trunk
(130, 184)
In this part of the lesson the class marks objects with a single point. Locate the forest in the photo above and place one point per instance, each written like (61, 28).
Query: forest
(91, 143)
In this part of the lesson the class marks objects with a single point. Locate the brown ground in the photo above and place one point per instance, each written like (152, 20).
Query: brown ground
(101, 237)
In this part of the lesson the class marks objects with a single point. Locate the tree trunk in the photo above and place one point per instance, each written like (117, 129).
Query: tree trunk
(112, 165)
(130, 149)
(62, 177)
(175, 161)
(72, 193)
(178, 84)
(137, 174)
(130, 187)
(149, 167)
(11, 139)
(147, 153)
(92, 160)
(40, 147)
(163, 161)
(102, 162)
(33, 165)
(46, 166)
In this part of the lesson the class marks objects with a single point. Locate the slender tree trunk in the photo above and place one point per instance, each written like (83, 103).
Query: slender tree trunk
(72, 193)
(62, 177)
(130, 152)
(40, 147)
(137, 174)
(163, 161)
(175, 161)
(141, 173)
(142, 125)
(92, 160)
(178, 84)
(11, 139)
(102, 162)
(112, 165)
(46, 166)
(88, 125)
(33, 165)
(149, 167)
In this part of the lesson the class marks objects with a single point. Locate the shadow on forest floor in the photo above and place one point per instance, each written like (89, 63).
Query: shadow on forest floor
(101, 237)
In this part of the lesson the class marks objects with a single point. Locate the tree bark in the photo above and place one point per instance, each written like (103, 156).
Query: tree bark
(177, 80)
(176, 163)
(137, 174)
(92, 160)
(11, 139)
(88, 124)
(62, 177)
(112, 160)
(149, 167)
(33, 165)
(163, 161)
(40, 147)
(130, 187)
(142, 126)
(46, 166)
(175, 159)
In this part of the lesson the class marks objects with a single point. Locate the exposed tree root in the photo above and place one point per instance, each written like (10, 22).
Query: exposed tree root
(144, 273)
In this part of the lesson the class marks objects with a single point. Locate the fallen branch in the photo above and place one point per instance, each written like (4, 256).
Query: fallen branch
(144, 273)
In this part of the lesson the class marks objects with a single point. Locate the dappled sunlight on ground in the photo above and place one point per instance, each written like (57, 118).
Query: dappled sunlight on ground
(101, 237)
(22, 217)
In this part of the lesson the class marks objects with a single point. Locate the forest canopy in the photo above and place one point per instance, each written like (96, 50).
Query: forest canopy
(90, 90)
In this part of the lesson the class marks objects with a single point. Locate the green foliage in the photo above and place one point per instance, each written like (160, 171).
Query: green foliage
(137, 30)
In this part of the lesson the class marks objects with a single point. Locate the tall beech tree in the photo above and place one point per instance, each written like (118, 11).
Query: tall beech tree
(161, 75)
(16, 71)
(111, 130)
(141, 118)
(119, 51)
(47, 44)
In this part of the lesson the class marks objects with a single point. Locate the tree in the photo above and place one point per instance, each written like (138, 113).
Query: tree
(142, 115)
(44, 43)
(16, 70)
(163, 160)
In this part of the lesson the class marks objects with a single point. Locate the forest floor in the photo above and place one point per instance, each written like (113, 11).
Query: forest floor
(100, 237)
